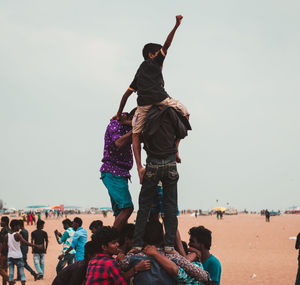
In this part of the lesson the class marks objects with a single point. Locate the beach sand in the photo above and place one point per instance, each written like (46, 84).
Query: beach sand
(251, 251)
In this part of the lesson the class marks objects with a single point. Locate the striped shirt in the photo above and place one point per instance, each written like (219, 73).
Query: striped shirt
(66, 239)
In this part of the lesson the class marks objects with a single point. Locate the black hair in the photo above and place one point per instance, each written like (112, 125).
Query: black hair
(5, 220)
(14, 223)
(21, 223)
(152, 48)
(105, 235)
(78, 221)
(154, 234)
(202, 235)
(39, 224)
(67, 222)
(90, 248)
(126, 232)
(96, 224)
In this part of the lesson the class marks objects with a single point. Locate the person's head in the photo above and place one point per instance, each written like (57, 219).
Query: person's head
(200, 238)
(154, 234)
(4, 221)
(21, 223)
(67, 223)
(15, 225)
(126, 236)
(107, 240)
(151, 50)
(77, 223)
(90, 250)
(126, 118)
(40, 224)
(95, 225)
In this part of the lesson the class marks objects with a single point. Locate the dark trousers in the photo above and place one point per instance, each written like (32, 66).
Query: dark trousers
(298, 273)
(26, 266)
(68, 259)
(163, 170)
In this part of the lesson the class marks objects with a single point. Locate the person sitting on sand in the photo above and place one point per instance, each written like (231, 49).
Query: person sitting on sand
(200, 242)
(74, 274)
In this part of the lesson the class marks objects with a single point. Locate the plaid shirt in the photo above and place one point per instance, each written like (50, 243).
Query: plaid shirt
(104, 270)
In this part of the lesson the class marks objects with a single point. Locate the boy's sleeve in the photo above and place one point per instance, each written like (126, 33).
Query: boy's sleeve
(64, 237)
(133, 85)
(159, 59)
(114, 131)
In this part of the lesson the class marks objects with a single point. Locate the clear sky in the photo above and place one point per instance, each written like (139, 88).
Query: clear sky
(235, 64)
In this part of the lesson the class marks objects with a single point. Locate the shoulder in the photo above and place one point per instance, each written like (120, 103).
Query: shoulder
(113, 125)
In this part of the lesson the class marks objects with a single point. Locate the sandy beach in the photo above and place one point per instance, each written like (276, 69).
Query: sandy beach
(251, 251)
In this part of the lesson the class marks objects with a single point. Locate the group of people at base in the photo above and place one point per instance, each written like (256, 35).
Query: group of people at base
(14, 249)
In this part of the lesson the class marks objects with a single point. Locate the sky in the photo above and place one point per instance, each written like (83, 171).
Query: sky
(235, 64)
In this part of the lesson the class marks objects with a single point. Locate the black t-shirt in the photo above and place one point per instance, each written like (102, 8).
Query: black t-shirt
(161, 130)
(73, 274)
(39, 237)
(149, 83)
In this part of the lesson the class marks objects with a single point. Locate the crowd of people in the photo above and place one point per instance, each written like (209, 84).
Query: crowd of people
(147, 252)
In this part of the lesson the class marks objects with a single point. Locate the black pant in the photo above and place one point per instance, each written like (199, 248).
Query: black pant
(163, 170)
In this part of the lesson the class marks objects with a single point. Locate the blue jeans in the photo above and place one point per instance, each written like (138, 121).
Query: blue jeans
(39, 263)
(26, 266)
(163, 170)
(20, 267)
(68, 259)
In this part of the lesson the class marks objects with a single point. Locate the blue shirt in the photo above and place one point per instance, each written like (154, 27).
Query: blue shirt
(78, 243)
(213, 266)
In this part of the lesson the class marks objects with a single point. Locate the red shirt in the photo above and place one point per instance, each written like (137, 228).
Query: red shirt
(104, 270)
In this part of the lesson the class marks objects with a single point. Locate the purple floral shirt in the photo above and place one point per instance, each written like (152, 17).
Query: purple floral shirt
(116, 161)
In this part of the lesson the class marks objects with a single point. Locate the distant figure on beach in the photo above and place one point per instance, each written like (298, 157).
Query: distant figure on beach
(149, 85)
(78, 242)
(39, 237)
(3, 250)
(116, 163)
(297, 246)
(66, 239)
(267, 214)
(24, 250)
(200, 240)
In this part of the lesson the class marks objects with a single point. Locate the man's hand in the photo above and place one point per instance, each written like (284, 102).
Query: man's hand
(178, 19)
(116, 117)
(143, 265)
(192, 249)
(150, 250)
(141, 172)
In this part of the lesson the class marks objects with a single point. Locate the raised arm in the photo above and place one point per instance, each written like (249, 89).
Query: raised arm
(172, 33)
(128, 92)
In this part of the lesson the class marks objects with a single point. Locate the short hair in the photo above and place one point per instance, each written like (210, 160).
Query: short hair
(202, 235)
(126, 232)
(105, 235)
(78, 221)
(152, 48)
(96, 224)
(90, 248)
(40, 223)
(154, 234)
(67, 222)
(21, 223)
(5, 220)
(14, 223)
